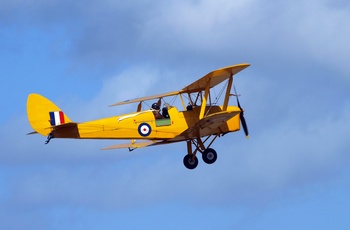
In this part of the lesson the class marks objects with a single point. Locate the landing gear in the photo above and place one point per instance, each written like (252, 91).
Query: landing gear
(190, 162)
(209, 155)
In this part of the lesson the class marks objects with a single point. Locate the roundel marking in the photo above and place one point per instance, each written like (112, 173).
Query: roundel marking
(144, 129)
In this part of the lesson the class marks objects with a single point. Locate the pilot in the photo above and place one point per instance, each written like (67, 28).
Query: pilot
(156, 111)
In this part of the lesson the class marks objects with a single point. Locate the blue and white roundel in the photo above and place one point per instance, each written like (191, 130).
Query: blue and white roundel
(144, 129)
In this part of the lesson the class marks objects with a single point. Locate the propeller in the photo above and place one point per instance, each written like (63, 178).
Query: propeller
(241, 115)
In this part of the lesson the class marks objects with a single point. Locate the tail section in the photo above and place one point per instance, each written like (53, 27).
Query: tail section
(43, 115)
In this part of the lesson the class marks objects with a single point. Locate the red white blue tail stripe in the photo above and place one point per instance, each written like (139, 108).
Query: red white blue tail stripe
(56, 118)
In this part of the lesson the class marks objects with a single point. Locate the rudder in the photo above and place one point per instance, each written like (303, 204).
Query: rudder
(44, 114)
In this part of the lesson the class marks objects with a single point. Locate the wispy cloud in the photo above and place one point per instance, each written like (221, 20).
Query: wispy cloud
(295, 97)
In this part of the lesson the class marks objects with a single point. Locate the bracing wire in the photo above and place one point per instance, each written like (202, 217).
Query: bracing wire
(217, 97)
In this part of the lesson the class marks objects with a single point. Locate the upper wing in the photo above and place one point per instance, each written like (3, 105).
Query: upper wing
(146, 98)
(213, 78)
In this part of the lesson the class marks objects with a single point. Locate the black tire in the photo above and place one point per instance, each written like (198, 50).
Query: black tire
(189, 163)
(209, 156)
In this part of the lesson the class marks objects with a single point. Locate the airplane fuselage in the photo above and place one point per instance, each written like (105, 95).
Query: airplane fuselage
(144, 125)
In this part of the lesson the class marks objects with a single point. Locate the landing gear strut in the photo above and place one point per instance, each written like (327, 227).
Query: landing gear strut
(209, 155)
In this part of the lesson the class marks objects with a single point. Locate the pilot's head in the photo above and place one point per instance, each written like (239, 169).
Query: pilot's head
(155, 106)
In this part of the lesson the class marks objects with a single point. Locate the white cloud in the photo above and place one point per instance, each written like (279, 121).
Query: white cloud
(273, 162)
(298, 131)
(198, 32)
(133, 82)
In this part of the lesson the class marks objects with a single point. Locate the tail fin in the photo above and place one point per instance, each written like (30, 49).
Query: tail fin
(43, 114)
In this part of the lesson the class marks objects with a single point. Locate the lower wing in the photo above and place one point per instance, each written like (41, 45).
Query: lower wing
(208, 125)
(134, 145)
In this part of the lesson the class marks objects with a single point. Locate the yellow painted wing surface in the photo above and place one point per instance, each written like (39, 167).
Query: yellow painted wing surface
(209, 125)
(135, 145)
(213, 78)
(139, 99)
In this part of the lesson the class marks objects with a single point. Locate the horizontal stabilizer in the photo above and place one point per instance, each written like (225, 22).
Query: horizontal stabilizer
(31, 133)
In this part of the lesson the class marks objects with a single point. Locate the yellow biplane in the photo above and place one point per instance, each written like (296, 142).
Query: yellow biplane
(199, 123)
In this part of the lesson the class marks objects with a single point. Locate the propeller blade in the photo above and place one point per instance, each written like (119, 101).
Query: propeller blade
(241, 115)
(244, 125)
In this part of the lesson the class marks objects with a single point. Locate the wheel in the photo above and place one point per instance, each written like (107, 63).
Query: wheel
(189, 163)
(209, 156)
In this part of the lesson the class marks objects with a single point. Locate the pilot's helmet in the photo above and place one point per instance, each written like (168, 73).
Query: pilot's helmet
(155, 106)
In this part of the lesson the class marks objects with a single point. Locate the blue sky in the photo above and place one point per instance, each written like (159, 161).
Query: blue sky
(294, 171)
